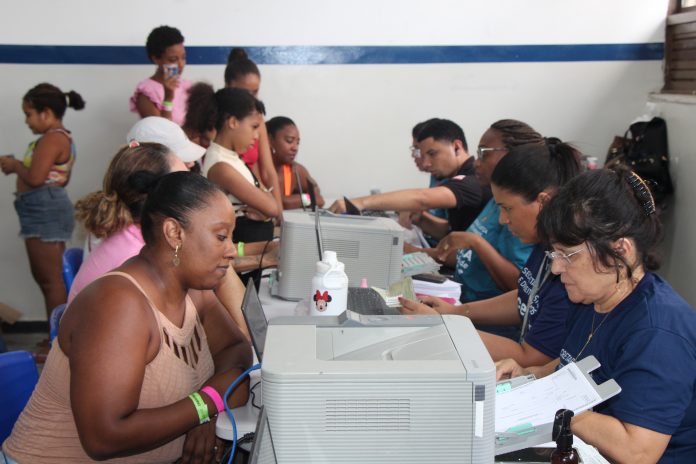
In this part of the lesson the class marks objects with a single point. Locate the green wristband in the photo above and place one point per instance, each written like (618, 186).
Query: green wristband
(201, 407)
(240, 249)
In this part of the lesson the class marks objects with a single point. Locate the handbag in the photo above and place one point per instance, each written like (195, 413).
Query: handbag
(643, 149)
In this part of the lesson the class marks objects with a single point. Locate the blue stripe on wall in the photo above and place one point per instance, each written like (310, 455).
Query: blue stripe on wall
(87, 54)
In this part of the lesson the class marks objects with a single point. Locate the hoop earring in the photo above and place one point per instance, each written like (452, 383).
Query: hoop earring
(176, 261)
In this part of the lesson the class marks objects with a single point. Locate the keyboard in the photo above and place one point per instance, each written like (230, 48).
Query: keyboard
(368, 302)
(418, 263)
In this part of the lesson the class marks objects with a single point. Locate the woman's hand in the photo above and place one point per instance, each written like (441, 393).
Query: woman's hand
(338, 207)
(202, 445)
(408, 248)
(405, 220)
(508, 369)
(254, 214)
(454, 241)
(170, 85)
(430, 305)
(8, 164)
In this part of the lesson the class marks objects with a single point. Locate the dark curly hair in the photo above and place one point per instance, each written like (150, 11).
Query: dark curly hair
(160, 39)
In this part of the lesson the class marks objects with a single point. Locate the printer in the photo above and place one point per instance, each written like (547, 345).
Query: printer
(370, 247)
(397, 389)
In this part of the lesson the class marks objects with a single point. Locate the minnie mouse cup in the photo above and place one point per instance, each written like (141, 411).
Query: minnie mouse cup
(329, 287)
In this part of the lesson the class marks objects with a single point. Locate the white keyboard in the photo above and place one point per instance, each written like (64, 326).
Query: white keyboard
(417, 263)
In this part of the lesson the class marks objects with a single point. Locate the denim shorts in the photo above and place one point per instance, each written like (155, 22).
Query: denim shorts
(45, 213)
(6, 459)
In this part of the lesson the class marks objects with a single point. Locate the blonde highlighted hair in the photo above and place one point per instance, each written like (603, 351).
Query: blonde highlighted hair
(119, 203)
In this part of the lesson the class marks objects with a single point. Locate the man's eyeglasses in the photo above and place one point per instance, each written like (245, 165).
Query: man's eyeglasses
(415, 152)
(554, 255)
(481, 151)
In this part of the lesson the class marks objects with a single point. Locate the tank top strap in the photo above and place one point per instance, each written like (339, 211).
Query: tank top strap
(61, 131)
(135, 283)
(287, 179)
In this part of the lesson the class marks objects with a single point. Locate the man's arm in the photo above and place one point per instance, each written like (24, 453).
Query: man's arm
(432, 225)
(410, 199)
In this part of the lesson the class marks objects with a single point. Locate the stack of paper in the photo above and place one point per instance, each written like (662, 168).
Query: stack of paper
(449, 290)
(402, 288)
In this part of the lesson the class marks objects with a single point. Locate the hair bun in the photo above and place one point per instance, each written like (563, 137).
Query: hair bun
(237, 53)
(74, 100)
(144, 181)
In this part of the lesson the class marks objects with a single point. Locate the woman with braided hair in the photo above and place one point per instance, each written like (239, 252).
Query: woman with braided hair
(487, 257)
(602, 229)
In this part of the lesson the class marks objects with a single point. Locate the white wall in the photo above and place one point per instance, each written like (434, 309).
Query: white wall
(355, 120)
(679, 254)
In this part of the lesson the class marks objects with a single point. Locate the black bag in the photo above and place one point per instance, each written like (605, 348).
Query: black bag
(643, 149)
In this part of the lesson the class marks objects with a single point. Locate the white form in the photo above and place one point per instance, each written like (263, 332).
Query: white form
(536, 402)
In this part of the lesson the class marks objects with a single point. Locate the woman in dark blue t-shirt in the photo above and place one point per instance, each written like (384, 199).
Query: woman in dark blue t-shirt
(602, 227)
(522, 182)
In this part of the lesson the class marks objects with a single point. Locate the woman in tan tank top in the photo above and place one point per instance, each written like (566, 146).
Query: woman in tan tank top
(137, 342)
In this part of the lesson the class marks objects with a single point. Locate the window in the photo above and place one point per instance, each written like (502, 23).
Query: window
(680, 48)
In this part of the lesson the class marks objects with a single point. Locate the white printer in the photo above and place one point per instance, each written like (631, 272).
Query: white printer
(370, 247)
(396, 389)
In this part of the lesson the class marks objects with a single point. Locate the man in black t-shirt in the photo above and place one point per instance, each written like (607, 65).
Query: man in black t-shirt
(444, 154)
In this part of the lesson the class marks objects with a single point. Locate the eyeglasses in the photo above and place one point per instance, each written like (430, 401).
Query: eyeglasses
(554, 255)
(481, 151)
(415, 152)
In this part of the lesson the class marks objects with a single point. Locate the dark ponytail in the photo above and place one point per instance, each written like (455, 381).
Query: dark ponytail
(49, 96)
(527, 170)
(239, 65)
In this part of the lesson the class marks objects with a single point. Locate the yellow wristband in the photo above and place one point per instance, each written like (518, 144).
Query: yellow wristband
(201, 407)
(240, 249)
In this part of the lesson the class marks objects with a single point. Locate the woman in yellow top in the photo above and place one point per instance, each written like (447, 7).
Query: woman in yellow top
(44, 209)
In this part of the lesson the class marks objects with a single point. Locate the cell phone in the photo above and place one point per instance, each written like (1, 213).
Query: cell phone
(171, 70)
(434, 278)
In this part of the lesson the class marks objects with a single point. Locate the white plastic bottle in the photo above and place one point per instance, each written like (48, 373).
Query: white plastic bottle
(329, 287)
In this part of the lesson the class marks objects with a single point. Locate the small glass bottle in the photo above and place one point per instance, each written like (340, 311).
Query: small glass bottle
(562, 435)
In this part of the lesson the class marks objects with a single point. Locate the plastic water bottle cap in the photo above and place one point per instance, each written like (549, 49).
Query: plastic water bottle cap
(330, 257)
(363, 283)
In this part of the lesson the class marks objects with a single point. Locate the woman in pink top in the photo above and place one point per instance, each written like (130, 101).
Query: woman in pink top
(144, 355)
(165, 92)
(113, 213)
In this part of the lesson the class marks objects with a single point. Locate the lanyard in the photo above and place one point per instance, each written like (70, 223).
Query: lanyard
(538, 282)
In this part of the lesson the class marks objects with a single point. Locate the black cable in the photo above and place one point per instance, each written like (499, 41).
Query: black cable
(253, 395)
(263, 252)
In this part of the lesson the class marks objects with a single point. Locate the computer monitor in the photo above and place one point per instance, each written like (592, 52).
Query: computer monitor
(255, 318)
